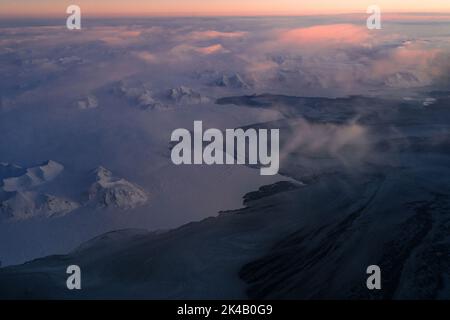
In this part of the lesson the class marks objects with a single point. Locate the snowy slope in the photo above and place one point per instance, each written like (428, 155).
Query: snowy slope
(302, 241)
(373, 157)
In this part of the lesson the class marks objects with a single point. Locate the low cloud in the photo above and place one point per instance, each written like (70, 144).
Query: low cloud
(213, 34)
(329, 140)
(326, 35)
(146, 56)
(413, 59)
(185, 50)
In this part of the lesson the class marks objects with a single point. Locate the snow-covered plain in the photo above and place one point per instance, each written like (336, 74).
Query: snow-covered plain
(95, 99)
(85, 124)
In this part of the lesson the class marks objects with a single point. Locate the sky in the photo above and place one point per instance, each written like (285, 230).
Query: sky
(44, 8)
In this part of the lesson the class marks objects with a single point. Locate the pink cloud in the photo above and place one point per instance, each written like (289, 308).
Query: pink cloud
(146, 56)
(411, 57)
(325, 35)
(182, 50)
(115, 36)
(416, 17)
(216, 48)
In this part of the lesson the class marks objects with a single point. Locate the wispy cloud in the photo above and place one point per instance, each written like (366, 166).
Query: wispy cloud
(213, 34)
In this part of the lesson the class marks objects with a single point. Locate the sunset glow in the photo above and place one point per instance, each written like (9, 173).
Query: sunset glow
(213, 7)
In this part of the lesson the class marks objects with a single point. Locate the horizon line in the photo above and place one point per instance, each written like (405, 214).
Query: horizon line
(208, 15)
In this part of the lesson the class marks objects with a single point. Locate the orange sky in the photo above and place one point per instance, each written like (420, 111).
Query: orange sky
(214, 7)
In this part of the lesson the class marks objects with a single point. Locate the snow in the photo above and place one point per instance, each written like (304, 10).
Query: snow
(26, 205)
(110, 97)
(33, 177)
(234, 81)
(89, 102)
(18, 201)
(185, 95)
(108, 190)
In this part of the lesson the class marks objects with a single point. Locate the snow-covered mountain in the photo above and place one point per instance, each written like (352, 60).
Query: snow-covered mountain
(140, 94)
(88, 102)
(31, 177)
(22, 205)
(187, 96)
(402, 80)
(291, 240)
(233, 81)
(20, 197)
(312, 242)
(107, 190)
(23, 195)
(373, 164)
